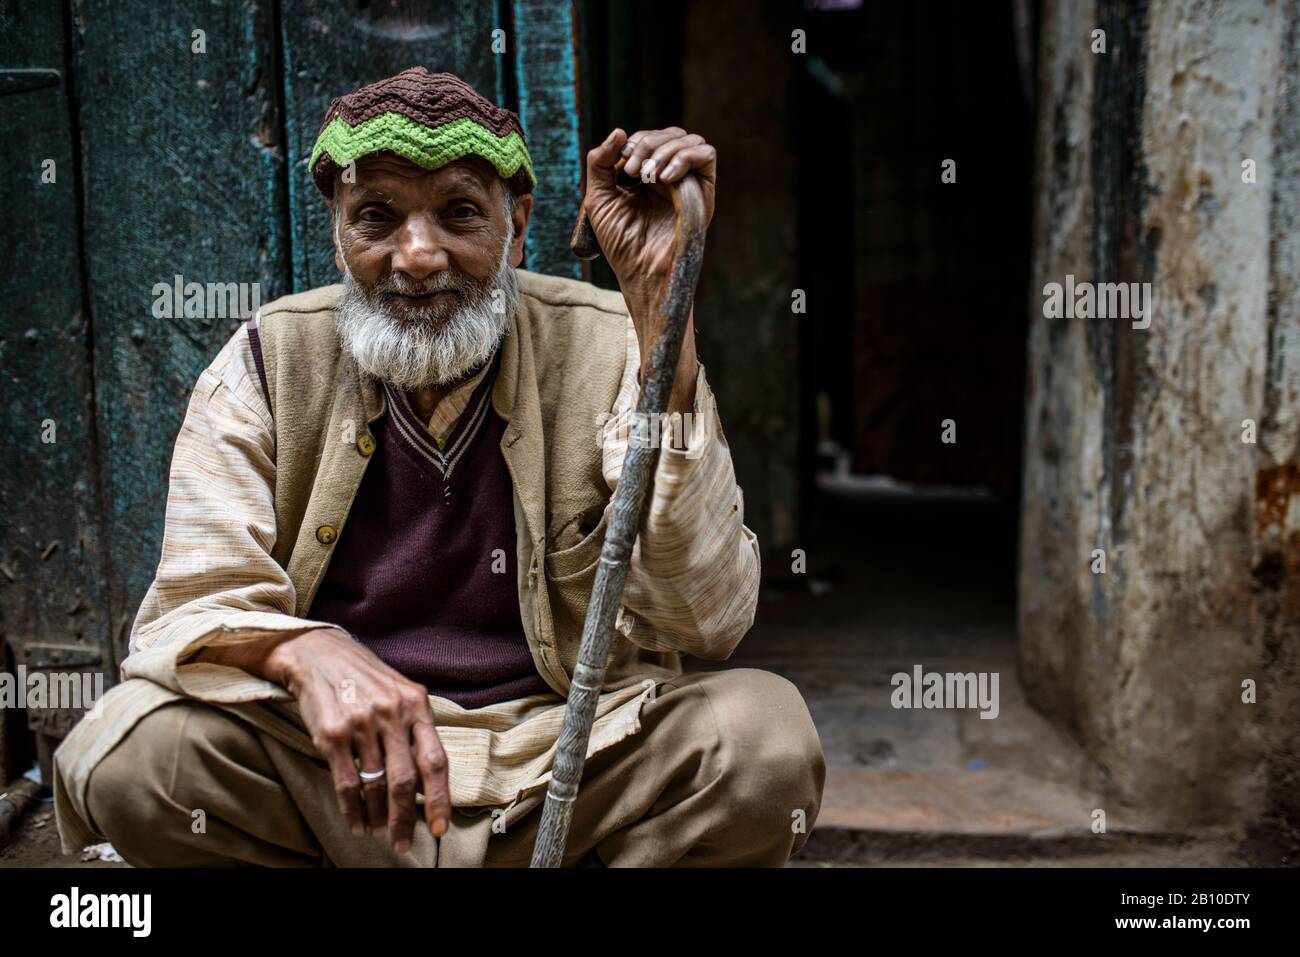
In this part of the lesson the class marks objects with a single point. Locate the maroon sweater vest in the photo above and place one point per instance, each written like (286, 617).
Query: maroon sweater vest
(424, 573)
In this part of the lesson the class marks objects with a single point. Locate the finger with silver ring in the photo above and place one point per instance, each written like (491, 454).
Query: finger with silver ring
(374, 789)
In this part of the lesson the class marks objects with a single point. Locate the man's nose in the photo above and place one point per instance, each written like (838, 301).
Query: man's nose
(419, 253)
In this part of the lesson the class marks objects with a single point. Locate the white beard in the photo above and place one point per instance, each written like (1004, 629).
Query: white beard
(423, 352)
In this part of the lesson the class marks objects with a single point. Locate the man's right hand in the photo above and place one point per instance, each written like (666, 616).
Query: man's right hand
(357, 707)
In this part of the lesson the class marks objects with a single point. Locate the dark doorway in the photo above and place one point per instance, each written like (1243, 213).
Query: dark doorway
(916, 285)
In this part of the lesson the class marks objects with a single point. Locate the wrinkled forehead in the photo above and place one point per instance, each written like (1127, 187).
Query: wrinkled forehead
(399, 179)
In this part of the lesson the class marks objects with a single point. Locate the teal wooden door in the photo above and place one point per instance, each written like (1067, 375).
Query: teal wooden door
(54, 606)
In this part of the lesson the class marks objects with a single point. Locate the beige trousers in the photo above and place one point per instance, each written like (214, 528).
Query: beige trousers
(727, 770)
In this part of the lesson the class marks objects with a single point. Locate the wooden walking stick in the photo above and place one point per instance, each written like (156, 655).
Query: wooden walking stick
(626, 511)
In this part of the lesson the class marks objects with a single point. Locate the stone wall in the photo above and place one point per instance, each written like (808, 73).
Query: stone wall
(1134, 437)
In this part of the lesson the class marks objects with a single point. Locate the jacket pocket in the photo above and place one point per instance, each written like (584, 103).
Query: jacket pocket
(580, 559)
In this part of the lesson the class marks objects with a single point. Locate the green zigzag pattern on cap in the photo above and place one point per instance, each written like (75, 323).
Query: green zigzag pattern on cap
(423, 146)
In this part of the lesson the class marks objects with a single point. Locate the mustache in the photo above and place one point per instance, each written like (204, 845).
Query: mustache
(399, 284)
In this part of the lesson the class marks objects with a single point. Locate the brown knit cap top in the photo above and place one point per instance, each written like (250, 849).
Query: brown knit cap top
(429, 118)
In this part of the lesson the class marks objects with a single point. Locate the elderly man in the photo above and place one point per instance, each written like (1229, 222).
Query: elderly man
(386, 505)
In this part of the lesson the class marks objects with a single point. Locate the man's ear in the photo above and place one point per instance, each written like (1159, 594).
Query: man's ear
(338, 251)
(523, 212)
(334, 229)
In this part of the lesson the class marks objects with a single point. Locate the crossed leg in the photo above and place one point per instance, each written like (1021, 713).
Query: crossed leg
(727, 771)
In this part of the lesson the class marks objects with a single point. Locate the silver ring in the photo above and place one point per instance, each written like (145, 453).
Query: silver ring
(371, 776)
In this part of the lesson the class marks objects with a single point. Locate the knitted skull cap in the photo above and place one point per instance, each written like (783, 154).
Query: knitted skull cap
(431, 119)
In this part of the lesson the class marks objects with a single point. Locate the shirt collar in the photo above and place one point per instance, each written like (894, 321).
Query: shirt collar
(450, 408)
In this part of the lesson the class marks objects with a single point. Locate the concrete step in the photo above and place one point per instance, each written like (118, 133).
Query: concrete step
(874, 816)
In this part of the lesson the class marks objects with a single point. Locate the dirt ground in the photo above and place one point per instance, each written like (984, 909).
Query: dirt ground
(37, 843)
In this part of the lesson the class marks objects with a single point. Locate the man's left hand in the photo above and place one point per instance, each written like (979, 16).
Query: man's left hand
(636, 228)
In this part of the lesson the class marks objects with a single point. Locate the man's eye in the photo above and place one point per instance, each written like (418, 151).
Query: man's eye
(464, 212)
(371, 215)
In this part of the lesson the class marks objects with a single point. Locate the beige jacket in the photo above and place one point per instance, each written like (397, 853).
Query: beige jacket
(254, 497)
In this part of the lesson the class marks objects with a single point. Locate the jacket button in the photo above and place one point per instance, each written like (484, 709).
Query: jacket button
(365, 444)
(326, 534)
